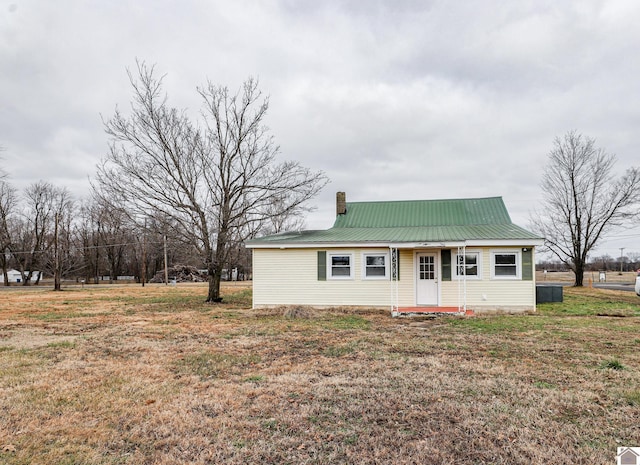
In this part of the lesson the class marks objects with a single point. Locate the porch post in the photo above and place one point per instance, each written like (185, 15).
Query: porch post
(393, 284)
(464, 286)
(462, 280)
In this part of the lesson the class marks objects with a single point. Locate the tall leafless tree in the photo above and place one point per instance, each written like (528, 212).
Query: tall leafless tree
(583, 200)
(114, 234)
(7, 211)
(32, 228)
(63, 258)
(89, 244)
(217, 182)
(108, 240)
(34, 231)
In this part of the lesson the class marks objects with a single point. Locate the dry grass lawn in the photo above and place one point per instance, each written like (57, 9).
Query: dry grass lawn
(131, 375)
(611, 277)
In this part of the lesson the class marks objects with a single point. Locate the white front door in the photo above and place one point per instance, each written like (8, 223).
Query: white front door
(426, 279)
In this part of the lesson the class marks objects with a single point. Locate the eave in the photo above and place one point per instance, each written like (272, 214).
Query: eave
(400, 245)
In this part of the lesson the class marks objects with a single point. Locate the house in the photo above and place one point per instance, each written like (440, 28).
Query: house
(458, 255)
(16, 277)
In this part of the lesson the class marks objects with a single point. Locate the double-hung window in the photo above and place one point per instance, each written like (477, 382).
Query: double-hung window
(505, 265)
(375, 265)
(340, 265)
(468, 265)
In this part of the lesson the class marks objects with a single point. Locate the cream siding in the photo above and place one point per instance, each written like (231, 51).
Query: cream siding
(491, 294)
(289, 276)
(406, 285)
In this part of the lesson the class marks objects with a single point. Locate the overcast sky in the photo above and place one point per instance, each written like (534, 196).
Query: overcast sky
(392, 99)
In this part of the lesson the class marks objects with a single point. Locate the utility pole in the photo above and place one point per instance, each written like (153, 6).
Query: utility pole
(56, 254)
(621, 250)
(96, 242)
(166, 267)
(144, 254)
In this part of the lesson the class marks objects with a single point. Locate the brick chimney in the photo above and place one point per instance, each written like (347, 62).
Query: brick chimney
(341, 203)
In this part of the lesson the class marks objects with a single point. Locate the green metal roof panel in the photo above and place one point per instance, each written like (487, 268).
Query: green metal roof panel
(412, 221)
(412, 213)
(402, 234)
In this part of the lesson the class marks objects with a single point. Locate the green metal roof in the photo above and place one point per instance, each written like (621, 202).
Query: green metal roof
(411, 221)
(453, 212)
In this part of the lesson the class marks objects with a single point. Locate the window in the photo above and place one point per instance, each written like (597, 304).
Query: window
(427, 267)
(505, 265)
(468, 265)
(375, 266)
(340, 266)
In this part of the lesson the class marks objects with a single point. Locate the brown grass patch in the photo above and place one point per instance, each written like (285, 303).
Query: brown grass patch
(298, 311)
(136, 376)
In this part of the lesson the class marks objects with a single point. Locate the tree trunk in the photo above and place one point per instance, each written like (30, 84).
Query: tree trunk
(26, 278)
(215, 274)
(97, 243)
(5, 276)
(579, 272)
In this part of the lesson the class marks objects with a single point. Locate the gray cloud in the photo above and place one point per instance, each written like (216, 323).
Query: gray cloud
(393, 99)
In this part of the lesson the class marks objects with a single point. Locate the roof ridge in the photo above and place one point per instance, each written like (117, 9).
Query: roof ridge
(432, 212)
(465, 225)
(426, 200)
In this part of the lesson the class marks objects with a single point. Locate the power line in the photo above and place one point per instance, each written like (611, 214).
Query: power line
(89, 247)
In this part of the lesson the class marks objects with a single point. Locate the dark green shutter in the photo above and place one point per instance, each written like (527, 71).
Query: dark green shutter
(445, 256)
(322, 265)
(527, 264)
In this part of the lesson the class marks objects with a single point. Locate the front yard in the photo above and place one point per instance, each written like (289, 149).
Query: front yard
(131, 375)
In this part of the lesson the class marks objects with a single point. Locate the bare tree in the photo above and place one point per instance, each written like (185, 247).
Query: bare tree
(32, 228)
(62, 240)
(634, 258)
(34, 231)
(583, 200)
(88, 241)
(7, 210)
(603, 262)
(115, 235)
(217, 183)
(111, 241)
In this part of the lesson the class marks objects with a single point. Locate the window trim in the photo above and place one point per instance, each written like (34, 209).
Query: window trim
(387, 266)
(454, 265)
(330, 275)
(518, 264)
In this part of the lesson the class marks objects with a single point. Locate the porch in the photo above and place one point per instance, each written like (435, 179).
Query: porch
(426, 267)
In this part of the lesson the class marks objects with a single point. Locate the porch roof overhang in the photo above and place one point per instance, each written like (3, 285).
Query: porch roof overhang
(399, 245)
